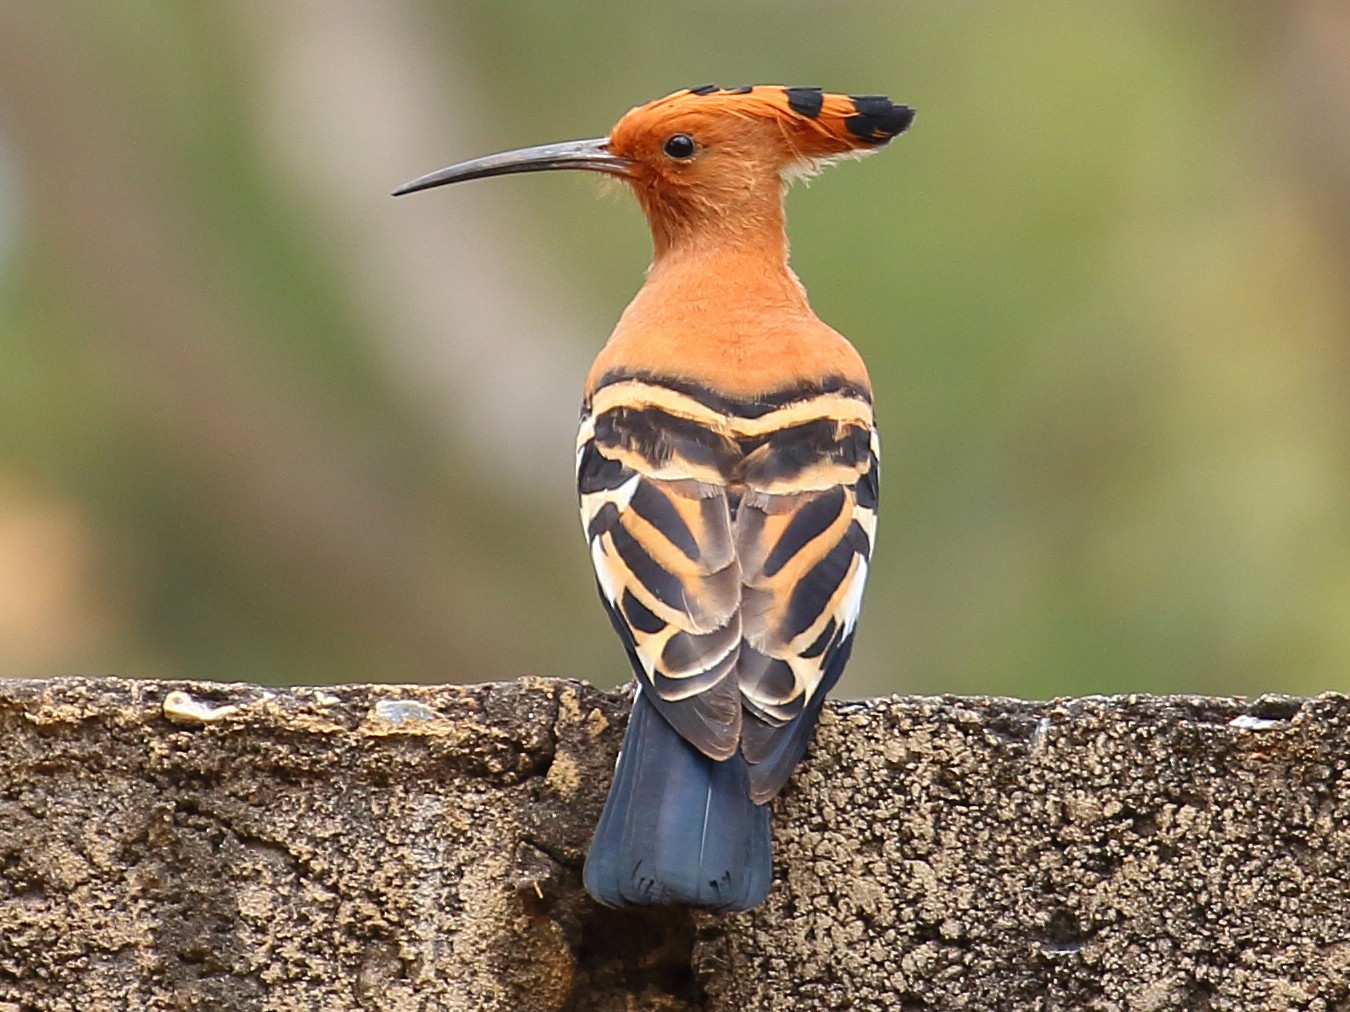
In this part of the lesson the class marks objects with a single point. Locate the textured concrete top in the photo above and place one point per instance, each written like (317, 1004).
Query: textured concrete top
(193, 845)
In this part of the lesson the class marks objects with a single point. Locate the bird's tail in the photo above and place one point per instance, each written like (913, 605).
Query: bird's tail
(678, 827)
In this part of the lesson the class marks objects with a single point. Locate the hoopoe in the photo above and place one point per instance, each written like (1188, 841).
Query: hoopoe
(727, 470)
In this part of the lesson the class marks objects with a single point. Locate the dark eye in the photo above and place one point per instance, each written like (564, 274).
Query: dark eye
(679, 146)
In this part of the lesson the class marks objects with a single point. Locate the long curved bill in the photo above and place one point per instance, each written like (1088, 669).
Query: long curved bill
(592, 155)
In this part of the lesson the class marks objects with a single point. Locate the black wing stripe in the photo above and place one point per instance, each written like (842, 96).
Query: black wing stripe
(639, 616)
(807, 524)
(598, 473)
(660, 583)
(869, 487)
(606, 517)
(658, 510)
(657, 436)
(687, 654)
(673, 689)
(821, 642)
(811, 597)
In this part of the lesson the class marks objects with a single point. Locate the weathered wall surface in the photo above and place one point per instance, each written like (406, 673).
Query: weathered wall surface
(194, 846)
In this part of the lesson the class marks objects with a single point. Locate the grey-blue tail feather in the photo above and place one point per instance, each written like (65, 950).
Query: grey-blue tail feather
(678, 827)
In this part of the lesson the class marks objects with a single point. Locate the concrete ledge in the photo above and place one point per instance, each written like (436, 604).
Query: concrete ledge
(226, 847)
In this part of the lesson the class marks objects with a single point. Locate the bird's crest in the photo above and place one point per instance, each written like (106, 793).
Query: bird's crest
(816, 125)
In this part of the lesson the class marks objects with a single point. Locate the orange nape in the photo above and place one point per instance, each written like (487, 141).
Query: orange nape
(728, 475)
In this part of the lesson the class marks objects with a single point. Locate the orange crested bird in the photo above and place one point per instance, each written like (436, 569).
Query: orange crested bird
(727, 467)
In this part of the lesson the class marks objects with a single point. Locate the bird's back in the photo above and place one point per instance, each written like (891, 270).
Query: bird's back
(727, 466)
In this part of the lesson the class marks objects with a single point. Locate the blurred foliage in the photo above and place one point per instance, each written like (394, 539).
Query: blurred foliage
(263, 423)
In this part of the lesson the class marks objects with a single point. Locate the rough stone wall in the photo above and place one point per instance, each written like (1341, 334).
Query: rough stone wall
(200, 846)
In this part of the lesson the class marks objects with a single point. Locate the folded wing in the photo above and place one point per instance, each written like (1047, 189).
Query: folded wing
(731, 543)
(655, 509)
(804, 536)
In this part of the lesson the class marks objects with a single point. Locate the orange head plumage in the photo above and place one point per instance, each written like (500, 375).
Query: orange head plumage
(710, 157)
(706, 155)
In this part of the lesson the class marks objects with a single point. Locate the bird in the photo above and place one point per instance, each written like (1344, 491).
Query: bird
(727, 467)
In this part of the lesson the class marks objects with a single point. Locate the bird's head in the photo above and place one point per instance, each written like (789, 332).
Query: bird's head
(710, 157)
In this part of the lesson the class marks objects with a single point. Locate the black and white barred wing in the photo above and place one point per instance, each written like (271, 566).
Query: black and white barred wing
(804, 534)
(651, 476)
(731, 549)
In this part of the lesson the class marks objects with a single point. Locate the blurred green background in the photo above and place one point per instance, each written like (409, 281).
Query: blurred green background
(262, 422)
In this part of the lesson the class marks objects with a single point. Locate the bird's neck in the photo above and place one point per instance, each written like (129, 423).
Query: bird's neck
(754, 226)
(719, 268)
(722, 309)
(734, 288)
